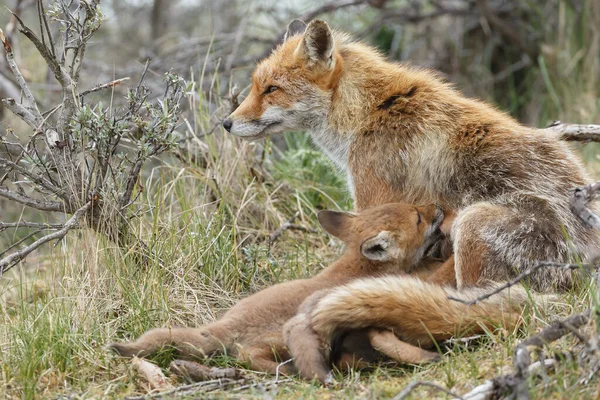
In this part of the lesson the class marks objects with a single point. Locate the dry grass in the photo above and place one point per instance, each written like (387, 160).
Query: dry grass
(206, 222)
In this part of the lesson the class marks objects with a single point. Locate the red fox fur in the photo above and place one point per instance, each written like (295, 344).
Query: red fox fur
(389, 239)
(402, 134)
(403, 316)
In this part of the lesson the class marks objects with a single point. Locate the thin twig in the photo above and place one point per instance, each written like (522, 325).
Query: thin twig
(289, 225)
(104, 86)
(25, 224)
(520, 277)
(10, 57)
(10, 261)
(523, 351)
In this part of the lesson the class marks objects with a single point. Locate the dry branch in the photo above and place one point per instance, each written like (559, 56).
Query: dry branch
(288, 225)
(575, 132)
(42, 205)
(521, 277)
(14, 258)
(152, 373)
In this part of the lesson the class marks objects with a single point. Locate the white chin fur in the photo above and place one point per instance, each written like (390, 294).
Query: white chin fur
(274, 120)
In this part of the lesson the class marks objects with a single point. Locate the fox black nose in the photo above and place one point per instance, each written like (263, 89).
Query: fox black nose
(227, 124)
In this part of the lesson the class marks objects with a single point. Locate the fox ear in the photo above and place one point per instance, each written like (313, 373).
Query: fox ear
(335, 223)
(382, 247)
(317, 46)
(294, 28)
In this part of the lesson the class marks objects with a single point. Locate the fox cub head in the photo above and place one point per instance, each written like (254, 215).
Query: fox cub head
(291, 88)
(396, 233)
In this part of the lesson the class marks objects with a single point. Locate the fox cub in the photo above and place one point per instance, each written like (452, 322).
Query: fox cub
(389, 239)
(402, 134)
(401, 316)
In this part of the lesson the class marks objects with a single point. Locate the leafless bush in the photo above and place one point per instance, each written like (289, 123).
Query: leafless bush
(80, 159)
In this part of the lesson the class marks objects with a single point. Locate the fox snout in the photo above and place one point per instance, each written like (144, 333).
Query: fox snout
(227, 124)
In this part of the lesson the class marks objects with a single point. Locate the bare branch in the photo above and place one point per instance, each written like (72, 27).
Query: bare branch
(552, 333)
(520, 277)
(13, 259)
(21, 112)
(10, 57)
(288, 225)
(575, 132)
(104, 86)
(24, 224)
(43, 205)
(37, 178)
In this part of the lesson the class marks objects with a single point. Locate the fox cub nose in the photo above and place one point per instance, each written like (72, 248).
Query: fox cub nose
(227, 124)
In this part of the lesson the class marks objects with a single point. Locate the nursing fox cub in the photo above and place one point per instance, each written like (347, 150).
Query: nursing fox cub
(402, 134)
(389, 239)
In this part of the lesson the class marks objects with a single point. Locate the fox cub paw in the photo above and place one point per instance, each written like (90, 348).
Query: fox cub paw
(124, 349)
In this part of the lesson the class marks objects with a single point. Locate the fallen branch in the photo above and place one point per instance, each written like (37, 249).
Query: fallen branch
(523, 352)
(13, 259)
(152, 373)
(198, 387)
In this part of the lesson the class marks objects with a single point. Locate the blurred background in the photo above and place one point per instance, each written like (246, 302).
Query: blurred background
(539, 60)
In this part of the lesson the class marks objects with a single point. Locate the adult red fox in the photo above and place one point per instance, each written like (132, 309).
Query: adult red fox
(389, 239)
(402, 134)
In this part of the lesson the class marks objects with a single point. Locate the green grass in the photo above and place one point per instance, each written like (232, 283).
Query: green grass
(57, 317)
(206, 222)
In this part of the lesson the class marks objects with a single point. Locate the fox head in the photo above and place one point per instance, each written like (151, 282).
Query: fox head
(395, 233)
(292, 87)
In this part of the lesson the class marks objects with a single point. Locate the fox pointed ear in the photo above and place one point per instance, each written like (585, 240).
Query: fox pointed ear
(317, 46)
(336, 223)
(296, 27)
(382, 247)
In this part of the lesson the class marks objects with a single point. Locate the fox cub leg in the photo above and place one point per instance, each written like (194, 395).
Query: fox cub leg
(306, 347)
(496, 241)
(189, 342)
(262, 359)
(387, 343)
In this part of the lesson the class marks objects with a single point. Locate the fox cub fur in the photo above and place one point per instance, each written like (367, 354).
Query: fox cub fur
(389, 239)
(401, 133)
(402, 316)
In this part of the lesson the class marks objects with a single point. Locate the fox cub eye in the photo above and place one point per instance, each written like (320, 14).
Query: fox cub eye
(270, 89)
(418, 218)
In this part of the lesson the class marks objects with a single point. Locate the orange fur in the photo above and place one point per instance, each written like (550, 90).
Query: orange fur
(389, 239)
(403, 317)
(401, 133)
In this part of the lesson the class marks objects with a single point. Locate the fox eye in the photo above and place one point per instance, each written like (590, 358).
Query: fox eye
(270, 89)
(418, 218)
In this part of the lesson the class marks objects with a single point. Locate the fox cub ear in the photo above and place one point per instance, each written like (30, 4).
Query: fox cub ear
(336, 223)
(296, 27)
(382, 247)
(317, 46)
